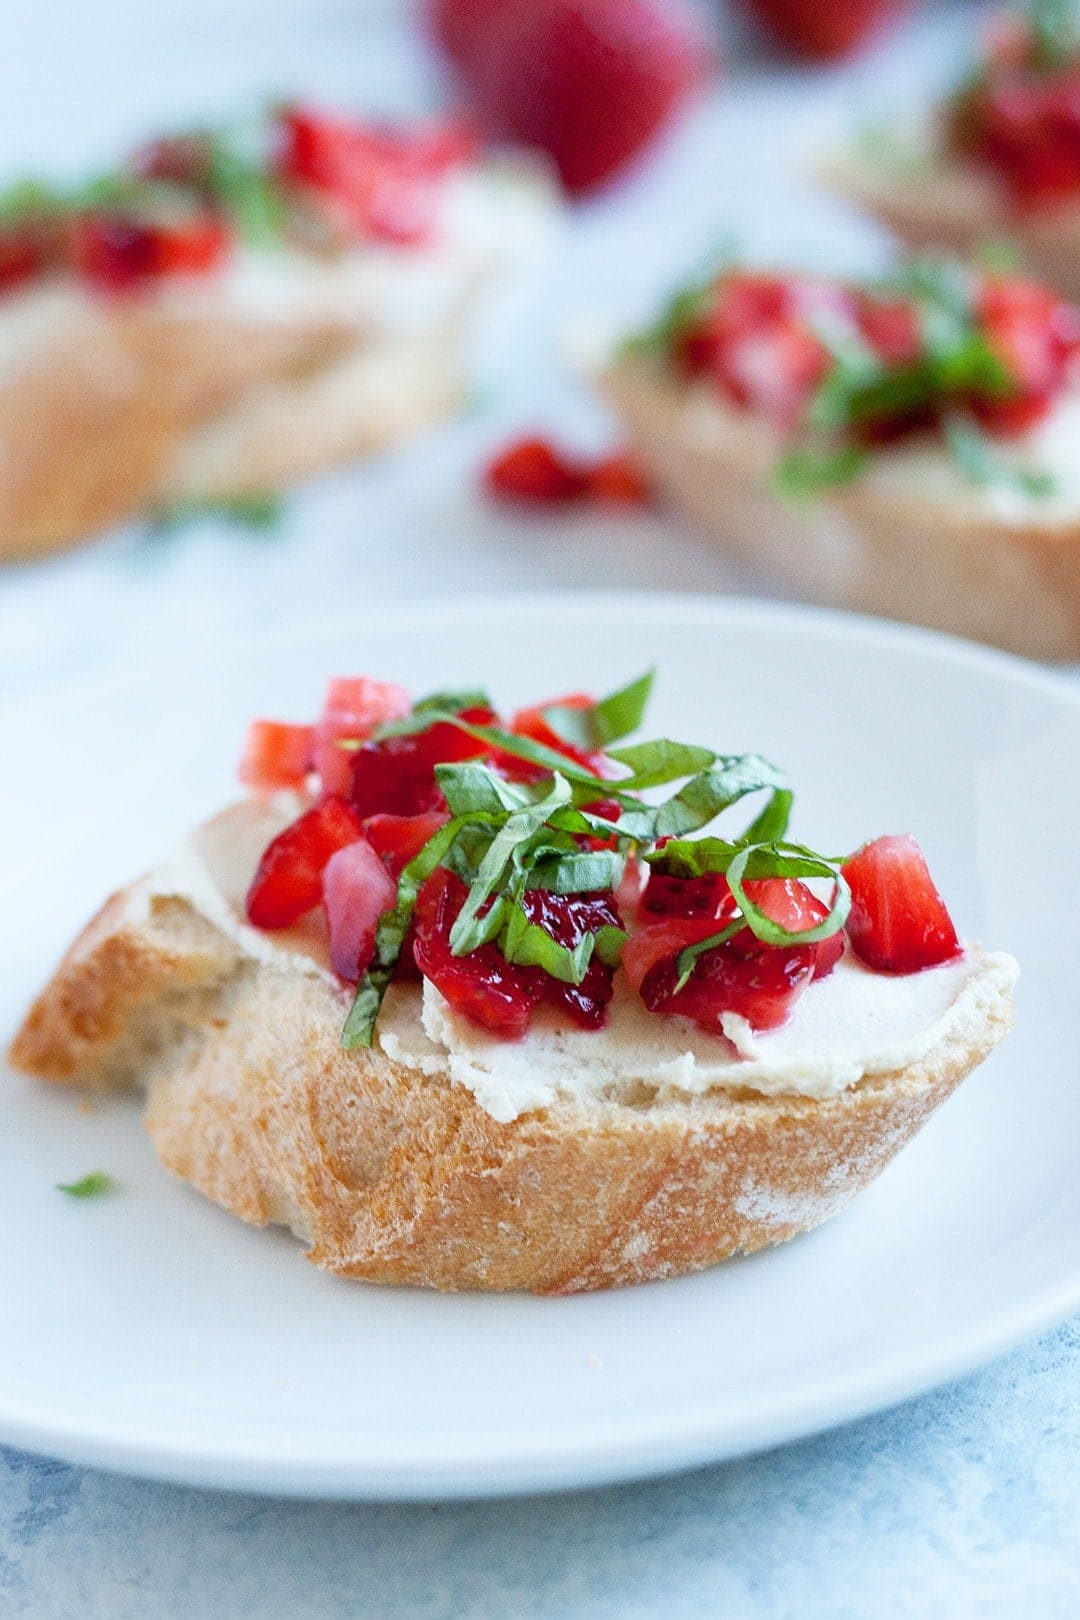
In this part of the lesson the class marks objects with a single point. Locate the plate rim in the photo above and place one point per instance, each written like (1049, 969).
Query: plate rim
(613, 1450)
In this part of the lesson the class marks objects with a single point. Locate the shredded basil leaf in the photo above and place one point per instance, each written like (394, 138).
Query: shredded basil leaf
(89, 1186)
(802, 474)
(259, 513)
(615, 716)
(975, 457)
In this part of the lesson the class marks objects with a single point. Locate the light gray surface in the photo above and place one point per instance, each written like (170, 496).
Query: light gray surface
(966, 1502)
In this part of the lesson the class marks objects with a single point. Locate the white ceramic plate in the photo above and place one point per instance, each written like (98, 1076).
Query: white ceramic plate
(153, 1333)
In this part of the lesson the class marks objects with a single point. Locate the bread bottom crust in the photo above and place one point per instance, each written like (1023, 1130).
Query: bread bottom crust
(395, 1177)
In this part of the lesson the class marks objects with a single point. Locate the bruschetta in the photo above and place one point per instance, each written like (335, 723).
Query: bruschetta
(463, 1006)
(237, 309)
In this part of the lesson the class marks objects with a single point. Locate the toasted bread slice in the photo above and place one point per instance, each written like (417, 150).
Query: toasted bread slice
(401, 1176)
(932, 200)
(910, 539)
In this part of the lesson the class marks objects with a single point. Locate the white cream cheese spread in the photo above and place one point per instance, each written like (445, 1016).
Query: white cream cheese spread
(850, 1025)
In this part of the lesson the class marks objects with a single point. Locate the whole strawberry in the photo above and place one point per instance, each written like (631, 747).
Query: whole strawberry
(590, 81)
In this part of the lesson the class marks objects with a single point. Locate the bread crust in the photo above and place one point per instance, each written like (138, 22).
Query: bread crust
(130, 406)
(887, 544)
(396, 1177)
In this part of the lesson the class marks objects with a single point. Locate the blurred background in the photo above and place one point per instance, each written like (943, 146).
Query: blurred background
(80, 84)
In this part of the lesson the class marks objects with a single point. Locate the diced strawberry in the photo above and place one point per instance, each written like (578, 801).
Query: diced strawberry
(23, 254)
(398, 839)
(462, 27)
(380, 182)
(276, 755)
(533, 471)
(357, 889)
(795, 907)
(590, 81)
(759, 982)
(288, 881)
(397, 777)
(898, 921)
(567, 918)
(353, 707)
(773, 371)
(822, 32)
(707, 896)
(118, 253)
(483, 986)
(620, 479)
(1037, 337)
(662, 941)
(892, 329)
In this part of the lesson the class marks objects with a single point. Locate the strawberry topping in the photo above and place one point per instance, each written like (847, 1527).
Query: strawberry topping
(532, 471)
(1019, 117)
(759, 982)
(357, 889)
(118, 253)
(289, 879)
(276, 755)
(898, 922)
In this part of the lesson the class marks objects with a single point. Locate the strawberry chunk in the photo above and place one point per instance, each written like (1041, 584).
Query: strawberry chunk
(759, 982)
(898, 921)
(820, 32)
(289, 878)
(357, 889)
(276, 755)
(795, 907)
(397, 776)
(24, 254)
(662, 941)
(353, 707)
(118, 253)
(534, 472)
(399, 839)
(706, 896)
(619, 479)
(483, 986)
(567, 918)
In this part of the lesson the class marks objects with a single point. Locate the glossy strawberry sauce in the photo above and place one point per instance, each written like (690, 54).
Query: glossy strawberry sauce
(770, 344)
(372, 805)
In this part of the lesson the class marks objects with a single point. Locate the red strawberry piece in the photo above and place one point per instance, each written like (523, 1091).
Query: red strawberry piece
(483, 986)
(357, 889)
(1036, 336)
(118, 253)
(795, 907)
(179, 160)
(462, 27)
(818, 31)
(898, 921)
(707, 896)
(288, 881)
(567, 918)
(661, 942)
(399, 839)
(353, 707)
(397, 776)
(591, 82)
(534, 472)
(759, 982)
(620, 479)
(892, 329)
(24, 254)
(276, 755)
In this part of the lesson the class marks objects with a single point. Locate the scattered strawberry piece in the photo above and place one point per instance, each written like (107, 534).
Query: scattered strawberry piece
(568, 918)
(357, 889)
(592, 82)
(288, 881)
(618, 478)
(398, 839)
(353, 707)
(898, 921)
(707, 896)
(483, 986)
(276, 755)
(1037, 337)
(822, 32)
(23, 255)
(534, 471)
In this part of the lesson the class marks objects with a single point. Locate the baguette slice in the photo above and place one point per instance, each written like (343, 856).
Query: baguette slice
(931, 199)
(242, 381)
(395, 1176)
(910, 539)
